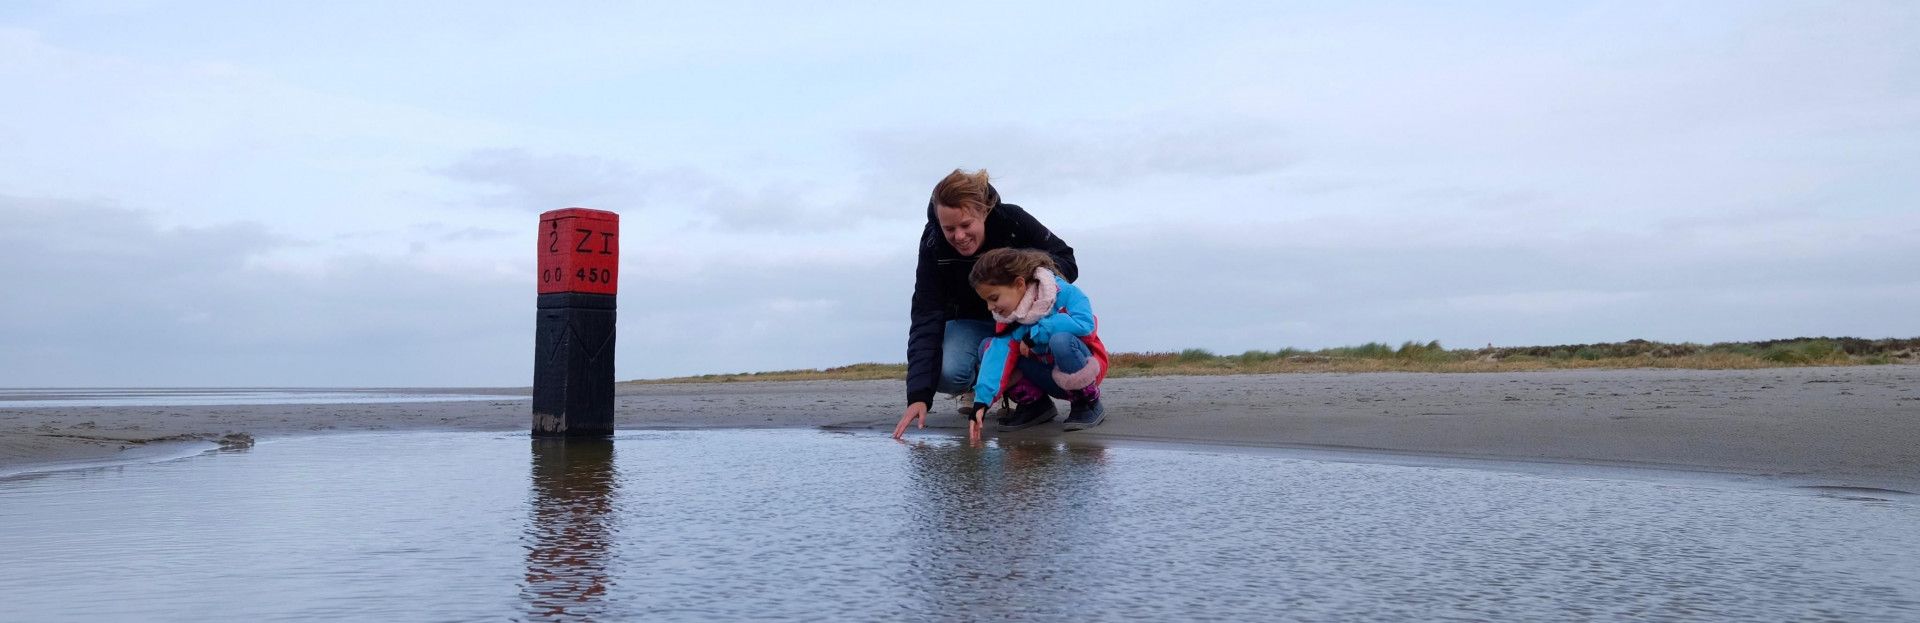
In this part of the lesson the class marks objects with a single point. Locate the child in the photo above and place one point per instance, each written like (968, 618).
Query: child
(1045, 343)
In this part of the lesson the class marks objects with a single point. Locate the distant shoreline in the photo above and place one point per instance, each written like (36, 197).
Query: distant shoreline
(1842, 426)
(1432, 357)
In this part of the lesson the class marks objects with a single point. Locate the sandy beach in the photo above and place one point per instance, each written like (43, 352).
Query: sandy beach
(1825, 426)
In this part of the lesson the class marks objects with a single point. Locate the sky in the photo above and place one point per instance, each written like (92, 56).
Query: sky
(347, 193)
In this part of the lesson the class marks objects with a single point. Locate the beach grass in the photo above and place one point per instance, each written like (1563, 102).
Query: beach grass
(1433, 357)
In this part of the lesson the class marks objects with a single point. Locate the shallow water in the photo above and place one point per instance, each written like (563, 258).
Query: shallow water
(791, 524)
(172, 397)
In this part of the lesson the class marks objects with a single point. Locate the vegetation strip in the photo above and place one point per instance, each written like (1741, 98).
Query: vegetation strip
(1432, 357)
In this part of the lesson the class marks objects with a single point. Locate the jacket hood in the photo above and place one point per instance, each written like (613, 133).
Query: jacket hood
(993, 200)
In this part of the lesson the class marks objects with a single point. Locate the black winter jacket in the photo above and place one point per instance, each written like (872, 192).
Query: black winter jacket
(941, 291)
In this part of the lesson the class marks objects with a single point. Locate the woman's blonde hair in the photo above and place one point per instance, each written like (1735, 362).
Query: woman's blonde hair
(1000, 267)
(963, 190)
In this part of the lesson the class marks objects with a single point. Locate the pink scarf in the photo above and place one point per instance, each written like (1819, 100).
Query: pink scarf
(1038, 302)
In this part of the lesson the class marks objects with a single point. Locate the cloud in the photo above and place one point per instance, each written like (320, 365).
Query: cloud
(537, 183)
(1332, 282)
(742, 314)
(681, 195)
(207, 138)
(1258, 176)
(120, 300)
(894, 173)
(448, 233)
(1068, 156)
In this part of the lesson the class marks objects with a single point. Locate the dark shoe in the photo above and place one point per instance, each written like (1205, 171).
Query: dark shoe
(1085, 415)
(1029, 415)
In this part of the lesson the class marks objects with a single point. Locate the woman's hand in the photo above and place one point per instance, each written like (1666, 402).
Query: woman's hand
(916, 412)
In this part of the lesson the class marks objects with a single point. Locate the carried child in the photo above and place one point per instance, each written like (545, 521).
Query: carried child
(1046, 343)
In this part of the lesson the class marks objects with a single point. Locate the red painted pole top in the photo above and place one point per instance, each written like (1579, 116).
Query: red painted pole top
(579, 251)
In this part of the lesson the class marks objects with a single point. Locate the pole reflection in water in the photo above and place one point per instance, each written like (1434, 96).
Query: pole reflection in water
(570, 531)
(990, 522)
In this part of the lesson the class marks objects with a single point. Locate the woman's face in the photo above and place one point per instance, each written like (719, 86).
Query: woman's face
(963, 229)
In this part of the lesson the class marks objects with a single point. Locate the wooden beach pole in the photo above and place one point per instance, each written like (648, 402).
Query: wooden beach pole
(579, 262)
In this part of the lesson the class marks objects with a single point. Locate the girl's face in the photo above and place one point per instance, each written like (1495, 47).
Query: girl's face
(1002, 299)
(963, 229)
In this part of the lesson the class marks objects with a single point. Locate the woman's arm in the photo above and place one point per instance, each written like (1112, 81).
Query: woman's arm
(1028, 233)
(927, 326)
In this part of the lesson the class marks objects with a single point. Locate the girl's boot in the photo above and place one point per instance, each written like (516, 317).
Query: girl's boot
(1084, 409)
(1031, 407)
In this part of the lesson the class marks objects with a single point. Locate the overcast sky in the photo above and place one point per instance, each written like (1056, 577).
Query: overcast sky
(346, 193)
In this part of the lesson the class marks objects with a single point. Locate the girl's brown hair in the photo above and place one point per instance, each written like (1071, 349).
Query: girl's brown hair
(963, 190)
(1000, 267)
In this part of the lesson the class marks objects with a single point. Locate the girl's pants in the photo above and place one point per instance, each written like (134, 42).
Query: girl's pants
(1070, 355)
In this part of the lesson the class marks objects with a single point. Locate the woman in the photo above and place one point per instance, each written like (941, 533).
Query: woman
(949, 321)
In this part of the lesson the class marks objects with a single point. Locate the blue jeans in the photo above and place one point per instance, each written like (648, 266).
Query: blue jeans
(960, 354)
(1069, 355)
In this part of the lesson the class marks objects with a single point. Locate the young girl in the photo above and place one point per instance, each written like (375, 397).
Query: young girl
(1045, 343)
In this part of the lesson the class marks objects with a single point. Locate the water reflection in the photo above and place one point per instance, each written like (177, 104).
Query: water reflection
(793, 525)
(570, 531)
(990, 523)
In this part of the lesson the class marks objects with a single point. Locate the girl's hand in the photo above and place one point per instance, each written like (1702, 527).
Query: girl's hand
(916, 412)
(1025, 350)
(976, 424)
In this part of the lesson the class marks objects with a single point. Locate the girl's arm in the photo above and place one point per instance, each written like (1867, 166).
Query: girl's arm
(1077, 320)
(996, 365)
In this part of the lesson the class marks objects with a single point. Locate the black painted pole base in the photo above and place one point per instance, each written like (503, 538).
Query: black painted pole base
(573, 366)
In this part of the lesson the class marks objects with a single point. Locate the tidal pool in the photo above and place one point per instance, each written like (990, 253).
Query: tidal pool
(812, 525)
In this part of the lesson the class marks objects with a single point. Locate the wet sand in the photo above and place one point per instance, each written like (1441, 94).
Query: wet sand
(1851, 426)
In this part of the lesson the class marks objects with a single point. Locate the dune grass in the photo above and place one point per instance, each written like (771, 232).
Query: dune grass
(1432, 357)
